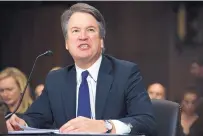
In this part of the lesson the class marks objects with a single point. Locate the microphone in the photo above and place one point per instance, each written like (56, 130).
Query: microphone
(47, 53)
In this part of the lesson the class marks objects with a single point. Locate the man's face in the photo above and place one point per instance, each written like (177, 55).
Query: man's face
(156, 91)
(83, 40)
(195, 70)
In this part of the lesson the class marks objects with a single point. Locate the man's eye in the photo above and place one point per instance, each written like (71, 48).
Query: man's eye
(91, 30)
(75, 31)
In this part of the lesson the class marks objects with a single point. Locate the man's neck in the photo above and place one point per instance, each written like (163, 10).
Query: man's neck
(85, 64)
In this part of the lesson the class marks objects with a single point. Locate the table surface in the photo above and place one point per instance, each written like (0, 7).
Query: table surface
(43, 134)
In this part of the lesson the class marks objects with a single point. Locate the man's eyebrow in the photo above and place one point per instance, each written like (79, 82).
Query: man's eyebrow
(74, 27)
(91, 27)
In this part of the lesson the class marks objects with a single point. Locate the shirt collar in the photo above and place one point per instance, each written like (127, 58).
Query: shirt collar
(93, 70)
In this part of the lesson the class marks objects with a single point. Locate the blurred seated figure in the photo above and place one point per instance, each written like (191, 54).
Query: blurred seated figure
(12, 84)
(196, 70)
(190, 121)
(156, 91)
(39, 88)
(55, 68)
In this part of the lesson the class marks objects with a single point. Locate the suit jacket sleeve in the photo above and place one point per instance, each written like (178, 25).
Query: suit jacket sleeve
(39, 114)
(139, 107)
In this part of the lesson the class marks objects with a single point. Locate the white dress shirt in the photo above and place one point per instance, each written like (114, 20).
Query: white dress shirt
(121, 128)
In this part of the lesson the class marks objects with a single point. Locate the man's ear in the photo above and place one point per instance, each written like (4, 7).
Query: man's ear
(66, 46)
(102, 43)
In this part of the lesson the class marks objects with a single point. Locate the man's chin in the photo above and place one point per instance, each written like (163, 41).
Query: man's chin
(83, 57)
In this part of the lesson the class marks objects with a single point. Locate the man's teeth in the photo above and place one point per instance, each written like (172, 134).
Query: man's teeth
(84, 46)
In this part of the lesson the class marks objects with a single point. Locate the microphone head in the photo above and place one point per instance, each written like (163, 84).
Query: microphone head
(48, 53)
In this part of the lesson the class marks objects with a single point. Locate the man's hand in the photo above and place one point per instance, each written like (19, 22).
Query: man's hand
(82, 124)
(12, 123)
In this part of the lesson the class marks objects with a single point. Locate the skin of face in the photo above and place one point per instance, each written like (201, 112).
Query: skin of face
(189, 103)
(9, 91)
(195, 69)
(83, 41)
(156, 91)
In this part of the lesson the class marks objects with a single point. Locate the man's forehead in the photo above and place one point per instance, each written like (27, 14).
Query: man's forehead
(80, 19)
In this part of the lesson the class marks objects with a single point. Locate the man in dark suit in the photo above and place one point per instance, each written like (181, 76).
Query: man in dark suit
(99, 93)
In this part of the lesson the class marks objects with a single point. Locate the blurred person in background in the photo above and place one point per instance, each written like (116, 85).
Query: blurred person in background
(190, 121)
(55, 68)
(196, 70)
(156, 91)
(12, 84)
(39, 88)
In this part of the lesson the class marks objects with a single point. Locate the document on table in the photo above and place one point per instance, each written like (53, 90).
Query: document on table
(30, 130)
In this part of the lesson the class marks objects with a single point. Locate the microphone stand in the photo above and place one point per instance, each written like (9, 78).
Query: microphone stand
(47, 53)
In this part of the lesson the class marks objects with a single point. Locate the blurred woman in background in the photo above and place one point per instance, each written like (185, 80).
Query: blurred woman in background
(190, 121)
(12, 84)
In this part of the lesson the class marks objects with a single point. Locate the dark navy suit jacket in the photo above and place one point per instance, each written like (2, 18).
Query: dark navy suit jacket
(120, 94)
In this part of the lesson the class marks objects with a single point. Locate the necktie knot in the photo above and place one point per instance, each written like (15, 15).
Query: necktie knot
(84, 75)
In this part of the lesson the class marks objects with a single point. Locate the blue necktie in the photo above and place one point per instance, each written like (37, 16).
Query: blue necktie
(83, 97)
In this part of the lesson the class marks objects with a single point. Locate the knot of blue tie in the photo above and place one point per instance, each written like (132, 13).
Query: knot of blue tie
(84, 75)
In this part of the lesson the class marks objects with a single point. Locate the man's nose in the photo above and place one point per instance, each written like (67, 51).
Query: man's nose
(83, 35)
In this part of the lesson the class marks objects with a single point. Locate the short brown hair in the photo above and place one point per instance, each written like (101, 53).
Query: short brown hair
(84, 8)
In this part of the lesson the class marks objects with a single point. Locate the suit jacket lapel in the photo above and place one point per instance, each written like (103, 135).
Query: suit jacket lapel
(69, 94)
(104, 82)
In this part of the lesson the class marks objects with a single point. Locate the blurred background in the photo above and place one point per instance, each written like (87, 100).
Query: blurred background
(161, 37)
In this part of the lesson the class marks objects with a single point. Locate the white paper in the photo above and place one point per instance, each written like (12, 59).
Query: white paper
(30, 130)
(36, 131)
